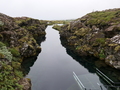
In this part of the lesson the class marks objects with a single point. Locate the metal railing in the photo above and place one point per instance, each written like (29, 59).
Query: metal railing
(79, 82)
(106, 78)
(106, 87)
(82, 87)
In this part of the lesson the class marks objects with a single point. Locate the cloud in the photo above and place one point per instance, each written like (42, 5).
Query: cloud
(54, 9)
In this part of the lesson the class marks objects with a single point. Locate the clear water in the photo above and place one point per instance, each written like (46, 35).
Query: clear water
(53, 69)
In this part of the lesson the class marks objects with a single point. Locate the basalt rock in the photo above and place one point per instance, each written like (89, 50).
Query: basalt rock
(17, 42)
(95, 34)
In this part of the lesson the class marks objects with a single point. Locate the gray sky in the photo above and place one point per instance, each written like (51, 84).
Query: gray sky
(54, 9)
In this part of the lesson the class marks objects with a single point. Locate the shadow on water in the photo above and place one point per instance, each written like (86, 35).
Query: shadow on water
(40, 39)
(87, 62)
(91, 63)
(29, 62)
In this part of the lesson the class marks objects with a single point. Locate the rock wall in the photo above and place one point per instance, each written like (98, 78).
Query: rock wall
(17, 42)
(95, 34)
(91, 63)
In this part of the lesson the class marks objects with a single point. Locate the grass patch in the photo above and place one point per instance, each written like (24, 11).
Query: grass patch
(14, 52)
(103, 17)
(9, 79)
(102, 55)
(2, 44)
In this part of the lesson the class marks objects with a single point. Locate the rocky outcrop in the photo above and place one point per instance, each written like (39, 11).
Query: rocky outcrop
(95, 34)
(17, 42)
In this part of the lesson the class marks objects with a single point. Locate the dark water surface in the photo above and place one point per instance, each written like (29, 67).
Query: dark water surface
(53, 69)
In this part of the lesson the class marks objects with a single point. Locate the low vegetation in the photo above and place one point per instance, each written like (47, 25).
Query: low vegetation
(52, 22)
(103, 18)
(17, 41)
(95, 34)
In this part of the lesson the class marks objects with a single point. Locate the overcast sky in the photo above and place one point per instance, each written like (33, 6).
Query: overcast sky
(54, 9)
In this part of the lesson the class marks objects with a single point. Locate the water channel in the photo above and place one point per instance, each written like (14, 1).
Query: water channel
(53, 69)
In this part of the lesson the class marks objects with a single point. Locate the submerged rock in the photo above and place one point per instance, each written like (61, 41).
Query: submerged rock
(95, 34)
(17, 42)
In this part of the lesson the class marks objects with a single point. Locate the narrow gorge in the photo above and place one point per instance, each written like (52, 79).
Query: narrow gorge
(35, 56)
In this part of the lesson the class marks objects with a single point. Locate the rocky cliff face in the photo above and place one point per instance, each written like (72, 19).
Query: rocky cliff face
(17, 41)
(95, 34)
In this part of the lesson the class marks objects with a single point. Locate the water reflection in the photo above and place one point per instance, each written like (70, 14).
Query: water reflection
(40, 39)
(87, 62)
(91, 63)
(29, 62)
(112, 73)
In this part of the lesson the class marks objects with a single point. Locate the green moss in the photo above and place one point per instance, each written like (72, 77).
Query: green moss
(103, 17)
(18, 73)
(9, 79)
(57, 27)
(112, 45)
(78, 47)
(30, 27)
(6, 43)
(102, 55)
(100, 40)
(6, 53)
(59, 22)
(86, 48)
(16, 65)
(18, 21)
(117, 48)
(16, 59)
(81, 32)
(83, 48)
(43, 22)
(21, 20)
(14, 52)
(31, 47)
(23, 39)
(2, 44)
(7, 67)
(72, 37)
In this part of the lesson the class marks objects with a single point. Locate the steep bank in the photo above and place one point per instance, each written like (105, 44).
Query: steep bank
(95, 34)
(17, 41)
